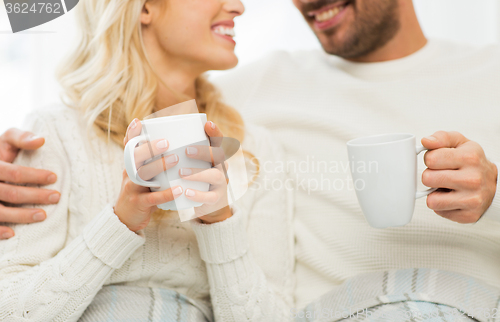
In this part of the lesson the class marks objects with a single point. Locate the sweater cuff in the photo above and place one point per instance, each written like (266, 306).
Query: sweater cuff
(109, 239)
(224, 241)
(493, 212)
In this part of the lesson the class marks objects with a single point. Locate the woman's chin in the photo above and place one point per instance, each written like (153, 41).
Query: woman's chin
(225, 64)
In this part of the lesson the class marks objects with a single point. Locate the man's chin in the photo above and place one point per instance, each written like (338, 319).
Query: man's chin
(332, 42)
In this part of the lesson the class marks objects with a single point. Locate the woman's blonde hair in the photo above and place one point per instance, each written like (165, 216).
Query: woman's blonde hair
(108, 77)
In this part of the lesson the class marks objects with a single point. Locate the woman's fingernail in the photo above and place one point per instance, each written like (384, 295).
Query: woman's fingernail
(190, 193)
(53, 198)
(162, 145)
(172, 159)
(191, 151)
(177, 192)
(7, 235)
(52, 178)
(186, 172)
(212, 124)
(39, 216)
(133, 124)
(431, 138)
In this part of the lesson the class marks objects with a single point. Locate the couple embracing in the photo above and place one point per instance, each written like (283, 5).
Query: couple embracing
(95, 246)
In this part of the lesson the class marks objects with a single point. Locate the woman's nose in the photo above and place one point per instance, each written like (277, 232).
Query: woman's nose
(234, 6)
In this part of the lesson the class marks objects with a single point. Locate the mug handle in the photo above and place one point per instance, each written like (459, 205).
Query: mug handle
(420, 194)
(130, 164)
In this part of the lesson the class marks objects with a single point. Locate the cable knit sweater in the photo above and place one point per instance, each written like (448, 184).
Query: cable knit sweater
(314, 103)
(51, 271)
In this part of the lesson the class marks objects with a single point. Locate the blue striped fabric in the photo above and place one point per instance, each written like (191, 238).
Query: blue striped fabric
(134, 304)
(419, 294)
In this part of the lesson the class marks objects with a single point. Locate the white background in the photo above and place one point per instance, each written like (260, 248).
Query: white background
(28, 59)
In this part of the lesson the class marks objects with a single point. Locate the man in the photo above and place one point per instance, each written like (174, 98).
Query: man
(381, 75)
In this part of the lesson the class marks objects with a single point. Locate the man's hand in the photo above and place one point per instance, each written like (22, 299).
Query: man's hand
(468, 181)
(10, 143)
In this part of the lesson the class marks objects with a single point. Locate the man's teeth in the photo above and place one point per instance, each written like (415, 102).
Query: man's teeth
(225, 31)
(327, 15)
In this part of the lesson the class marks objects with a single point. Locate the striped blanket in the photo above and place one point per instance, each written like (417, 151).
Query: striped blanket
(419, 294)
(141, 304)
(407, 295)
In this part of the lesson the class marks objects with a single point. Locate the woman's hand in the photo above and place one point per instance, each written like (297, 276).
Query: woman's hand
(136, 203)
(215, 206)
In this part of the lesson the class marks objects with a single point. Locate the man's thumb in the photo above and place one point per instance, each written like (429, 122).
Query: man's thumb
(442, 139)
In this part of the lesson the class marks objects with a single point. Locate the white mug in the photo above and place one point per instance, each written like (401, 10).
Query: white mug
(384, 173)
(180, 131)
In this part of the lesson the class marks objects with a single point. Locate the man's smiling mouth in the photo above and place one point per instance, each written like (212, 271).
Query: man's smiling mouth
(328, 12)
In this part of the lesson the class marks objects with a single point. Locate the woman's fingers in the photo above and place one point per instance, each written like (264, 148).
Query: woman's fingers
(150, 170)
(133, 130)
(206, 153)
(208, 198)
(212, 176)
(151, 199)
(130, 188)
(214, 133)
(149, 150)
(214, 153)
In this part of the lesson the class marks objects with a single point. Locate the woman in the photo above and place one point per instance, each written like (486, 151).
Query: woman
(99, 255)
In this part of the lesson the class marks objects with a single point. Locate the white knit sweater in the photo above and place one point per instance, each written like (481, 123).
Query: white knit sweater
(315, 103)
(50, 271)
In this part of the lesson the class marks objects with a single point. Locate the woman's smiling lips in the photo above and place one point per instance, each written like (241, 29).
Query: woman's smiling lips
(328, 16)
(224, 29)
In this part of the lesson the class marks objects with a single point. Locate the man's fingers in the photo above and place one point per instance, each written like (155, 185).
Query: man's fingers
(19, 174)
(22, 139)
(6, 232)
(456, 205)
(452, 179)
(449, 179)
(18, 216)
(442, 139)
(445, 201)
(459, 216)
(443, 159)
(157, 198)
(150, 170)
(27, 195)
(21, 215)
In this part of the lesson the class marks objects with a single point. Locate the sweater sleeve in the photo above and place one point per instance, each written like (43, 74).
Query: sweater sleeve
(249, 256)
(493, 212)
(42, 276)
